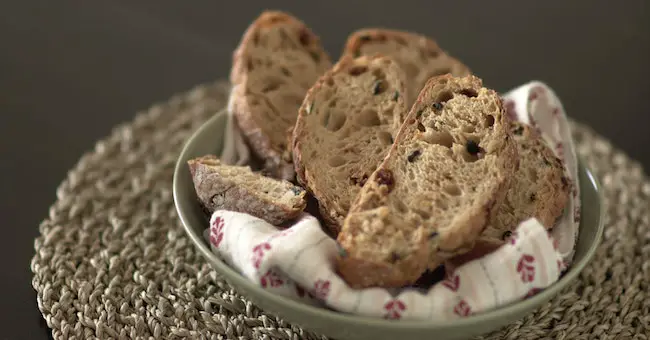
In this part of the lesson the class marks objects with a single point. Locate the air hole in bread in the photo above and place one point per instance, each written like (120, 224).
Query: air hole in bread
(330, 81)
(473, 147)
(442, 204)
(256, 38)
(443, 138)
(444, 96)
(378, 73)
(285, 71)
(411, 176)
(272, 85)
(336, 161)
(413, 156)
(332, 102)
(421, 127)
(385, 137)
(425, 215)
(471, 93)
(249, 65)
(368, 117)
(333, 120)
(469, 128)
(452, 189)
(401, 207)
(489, 121)
(358, 70)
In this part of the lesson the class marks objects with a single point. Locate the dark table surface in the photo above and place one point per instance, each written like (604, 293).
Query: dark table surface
(71, 70)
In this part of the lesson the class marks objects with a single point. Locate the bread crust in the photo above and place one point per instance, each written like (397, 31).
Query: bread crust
(267, 144)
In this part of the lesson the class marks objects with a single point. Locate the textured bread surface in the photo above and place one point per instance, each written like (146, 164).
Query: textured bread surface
(345, 127)
(539, 188)
(237, 188)
(419, 56)
(435, 192)
(278, 60)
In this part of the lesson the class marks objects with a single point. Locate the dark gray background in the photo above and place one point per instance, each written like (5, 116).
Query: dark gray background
(70, 70)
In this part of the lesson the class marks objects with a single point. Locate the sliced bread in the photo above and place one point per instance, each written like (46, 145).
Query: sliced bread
(433, 195)
(420, 57)
(237, 188)
(277, 61)
(539, 188)
(345, 127)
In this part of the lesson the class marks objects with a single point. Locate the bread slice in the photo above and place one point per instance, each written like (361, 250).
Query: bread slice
(539, 188)
(434, 193)
(277, 61)
(345, 127)
(237, 188)
(420, 57)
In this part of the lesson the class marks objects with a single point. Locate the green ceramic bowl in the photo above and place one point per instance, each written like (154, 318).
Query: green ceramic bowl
(344, 326)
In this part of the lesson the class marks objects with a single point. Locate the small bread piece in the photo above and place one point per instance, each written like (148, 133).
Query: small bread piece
(434, 193)
(539, 188)
(277, 61)
(419, 56)
(345, 127)
(237, 188)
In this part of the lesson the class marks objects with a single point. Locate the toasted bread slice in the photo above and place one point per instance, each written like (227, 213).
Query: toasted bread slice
(237, 188)
(433, 195)
(346, 126)
(419, 56)
(278, 60)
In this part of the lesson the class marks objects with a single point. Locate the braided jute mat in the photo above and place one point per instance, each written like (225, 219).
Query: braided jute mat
(113, 262)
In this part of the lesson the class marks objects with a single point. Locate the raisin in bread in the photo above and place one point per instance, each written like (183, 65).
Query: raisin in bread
(539, 188)
(345, 128)
(237, 188)
(434, 193)
(277, 61)
(420, 57)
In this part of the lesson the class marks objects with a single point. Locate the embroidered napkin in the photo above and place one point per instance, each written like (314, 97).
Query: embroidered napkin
(298, 262)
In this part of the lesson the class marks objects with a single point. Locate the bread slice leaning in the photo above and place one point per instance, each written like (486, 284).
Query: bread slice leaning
(345, 127)
(434, 193)
(539, 188)
(278, 60)
(237, 188)
(419, 56)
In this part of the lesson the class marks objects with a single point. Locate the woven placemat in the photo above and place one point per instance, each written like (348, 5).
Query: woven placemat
(112, 260)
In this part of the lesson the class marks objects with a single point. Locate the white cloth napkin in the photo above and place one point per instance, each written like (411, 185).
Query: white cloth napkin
(298, 262)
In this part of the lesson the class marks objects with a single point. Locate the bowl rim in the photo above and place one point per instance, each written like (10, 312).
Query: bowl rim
(341, 318)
